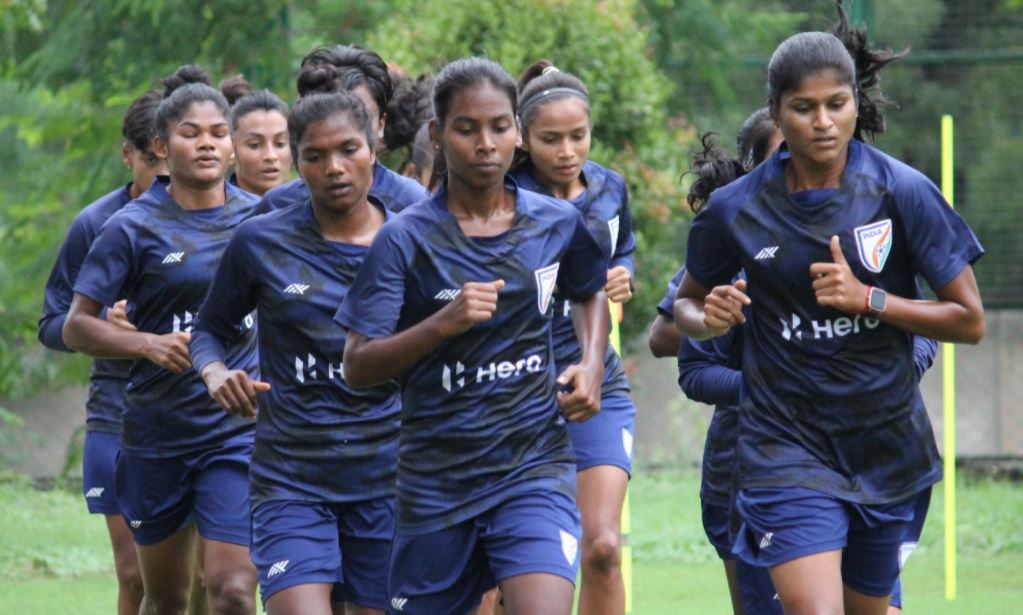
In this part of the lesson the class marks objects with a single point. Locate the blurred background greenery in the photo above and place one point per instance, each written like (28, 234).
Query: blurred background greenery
(660, 71)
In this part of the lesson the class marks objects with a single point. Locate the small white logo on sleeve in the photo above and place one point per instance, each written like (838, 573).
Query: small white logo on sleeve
(569, 546)
(95, 492)
(448, 294)
(546, 279)
(398, 603)
(173, 257)
(766, 540)
(296, 289)
(278, 568)
(766, 253)
(612, 226)
(627, 442)
(905, 550)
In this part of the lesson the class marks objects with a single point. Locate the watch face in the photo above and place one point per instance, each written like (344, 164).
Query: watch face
(878, 300)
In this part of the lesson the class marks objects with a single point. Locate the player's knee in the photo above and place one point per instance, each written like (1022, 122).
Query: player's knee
(232, 592)
(165, 602)
(603, 550)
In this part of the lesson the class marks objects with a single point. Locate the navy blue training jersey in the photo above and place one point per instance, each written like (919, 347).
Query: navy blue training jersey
(832, 402)
(395, 191)
(480, 423)
(108, 376)
(604, 205)
(162, 258)
(316, 438)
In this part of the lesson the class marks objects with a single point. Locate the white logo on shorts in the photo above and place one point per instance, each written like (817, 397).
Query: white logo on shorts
(278, 568)
(569, 546)
(95, 492)
(766, 540)
(905, 550)
(398, 604)
(136, 524)
(627, 442)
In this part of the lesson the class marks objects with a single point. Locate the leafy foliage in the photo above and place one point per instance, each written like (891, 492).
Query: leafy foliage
(607, 48)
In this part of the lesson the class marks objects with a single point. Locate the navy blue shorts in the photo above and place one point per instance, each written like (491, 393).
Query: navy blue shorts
(756, 590)
(449, 570)
(160, 495)
(783, 524)
(606, 439)
(716, 526)
(99, 485)
(347, 544)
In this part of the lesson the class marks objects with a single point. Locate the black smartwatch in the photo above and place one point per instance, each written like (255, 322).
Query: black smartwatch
(877, 301)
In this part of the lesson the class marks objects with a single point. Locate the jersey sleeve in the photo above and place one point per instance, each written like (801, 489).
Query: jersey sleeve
(940, 242)
(232, 296)
(110, 264)
(711, 259)
(583, 269)
(924, 349)
(373, 304)
(666, 306)
(625, 246)
(706, 369)
(59, 286)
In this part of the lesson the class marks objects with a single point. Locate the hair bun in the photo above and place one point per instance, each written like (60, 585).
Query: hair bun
(189, 73)
(235, 88)
(318, 78)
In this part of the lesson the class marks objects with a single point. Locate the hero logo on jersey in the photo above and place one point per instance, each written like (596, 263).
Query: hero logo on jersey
(456, 376)
(874, 244)
(612, 226)
(826, 329)
(305, 369)
(546, 279)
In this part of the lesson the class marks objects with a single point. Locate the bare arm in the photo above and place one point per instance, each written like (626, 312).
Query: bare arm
(85, 332)
(591, 320)
(664, 338)
(702, 314)
(368, 362)
(957, 315)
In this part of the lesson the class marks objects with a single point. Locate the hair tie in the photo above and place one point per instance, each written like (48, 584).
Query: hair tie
(550, 69)
(542, 94)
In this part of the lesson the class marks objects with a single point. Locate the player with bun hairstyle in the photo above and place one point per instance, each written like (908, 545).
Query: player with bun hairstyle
(836, 455)
(322, 472)
(348, 68)
(259, 128)
(183, 463)
(556, 134)
(108, 378)
(454, 299)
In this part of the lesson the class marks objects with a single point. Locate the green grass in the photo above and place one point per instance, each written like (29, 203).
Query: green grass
(54, 556)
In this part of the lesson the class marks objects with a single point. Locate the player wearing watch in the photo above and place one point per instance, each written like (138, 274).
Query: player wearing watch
(875, 302)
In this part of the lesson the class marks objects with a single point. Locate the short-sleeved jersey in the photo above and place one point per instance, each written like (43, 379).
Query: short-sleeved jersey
(162, 258)
(604, 205)
(108, 376)
(832, 402)
(317, 439)
(395, 191)
(479, 420)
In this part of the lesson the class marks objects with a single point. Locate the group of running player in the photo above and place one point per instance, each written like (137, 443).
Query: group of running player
(367, 392)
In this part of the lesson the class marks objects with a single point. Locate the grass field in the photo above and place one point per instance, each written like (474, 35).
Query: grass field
(54, 557)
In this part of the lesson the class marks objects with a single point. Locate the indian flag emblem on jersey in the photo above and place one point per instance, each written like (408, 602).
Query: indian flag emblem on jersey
(874, 244)
(546, 279)
(612, 227)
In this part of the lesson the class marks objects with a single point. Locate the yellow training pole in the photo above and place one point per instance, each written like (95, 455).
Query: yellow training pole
(616, 342)
(948, 377)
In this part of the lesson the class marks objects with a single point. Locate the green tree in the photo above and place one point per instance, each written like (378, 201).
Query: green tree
(608, 49)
